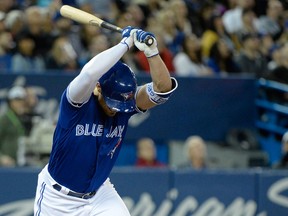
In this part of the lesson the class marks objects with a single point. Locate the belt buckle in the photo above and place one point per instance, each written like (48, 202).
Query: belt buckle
(88, 195)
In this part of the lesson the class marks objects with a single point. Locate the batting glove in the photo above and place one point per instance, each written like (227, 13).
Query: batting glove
(127, 35)
(139, 41)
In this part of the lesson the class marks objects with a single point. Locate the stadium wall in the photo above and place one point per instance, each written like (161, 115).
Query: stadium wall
(166, 192)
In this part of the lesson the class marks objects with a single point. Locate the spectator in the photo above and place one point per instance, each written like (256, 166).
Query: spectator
(152, 7)
(87, 33)
(173, 37)
(37, 28)
(25, 60)
(249, 18)
(11, 126)
(270, 23)
(221, 59)
(147, 153)
(14, 22)
(250, 59)
(125, 19)
(196, 14)
(99, 7)
(30, 110)
(283, 38)
(232, 18)
(280, 73)
(2, 21)
(7, 5)
(189, 61)
(195, 149)
(138, 15)
(62, 56)
(266, 44)
(64, 27)
(6, 45)
(97, 44)
(215, 31)
(275, 57)
(181, 16)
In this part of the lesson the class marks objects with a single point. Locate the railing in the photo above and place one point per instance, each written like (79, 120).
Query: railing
(272, 116)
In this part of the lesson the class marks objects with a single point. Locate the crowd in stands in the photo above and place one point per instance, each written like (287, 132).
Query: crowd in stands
(195, 38)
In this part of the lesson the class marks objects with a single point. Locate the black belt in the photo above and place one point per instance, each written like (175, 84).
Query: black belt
(75, 194)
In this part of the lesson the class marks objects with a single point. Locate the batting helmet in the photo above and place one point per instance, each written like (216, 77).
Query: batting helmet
(118, 87)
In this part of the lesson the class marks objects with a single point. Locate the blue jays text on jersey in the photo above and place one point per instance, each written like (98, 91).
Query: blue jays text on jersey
(97, 130)
(86, 144)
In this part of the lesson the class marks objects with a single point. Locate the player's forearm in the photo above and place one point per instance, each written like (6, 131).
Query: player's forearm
(159, 74)
(102, 62)
(82, 86)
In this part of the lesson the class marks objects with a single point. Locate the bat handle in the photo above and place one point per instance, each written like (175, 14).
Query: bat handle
(149, 40)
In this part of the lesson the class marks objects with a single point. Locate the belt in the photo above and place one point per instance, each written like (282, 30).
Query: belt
(75, 194)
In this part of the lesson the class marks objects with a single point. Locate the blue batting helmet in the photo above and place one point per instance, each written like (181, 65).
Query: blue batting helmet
(118, 87)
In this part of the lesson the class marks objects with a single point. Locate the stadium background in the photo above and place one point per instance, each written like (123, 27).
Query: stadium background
(239, 182)
(205, 106)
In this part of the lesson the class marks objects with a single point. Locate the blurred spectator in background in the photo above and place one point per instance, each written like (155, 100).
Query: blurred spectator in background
(99, 7)
(11, 126)
(275, 57)
(64, 27)
(15, 22)
(197, 11)
(87, 34)
(271, 22)
(39, 29)
(97, 44)
(280, 73)
(2, 21)
(173, 37)
(249, 18)
(189, 61)
(25, 59)
(283, 163)
(250, 59)
(195, 149)
(180, 11)
(221, 59)
(30, 114)
(7, 5)
(147, 154)
(232, 18)
(125, 18)
(152, 7)
(138, 15)
(266, 44)
(6, 46)
(62, 56)
(215, 30)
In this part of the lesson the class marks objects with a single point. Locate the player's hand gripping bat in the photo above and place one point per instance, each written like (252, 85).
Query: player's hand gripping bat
(83, 17)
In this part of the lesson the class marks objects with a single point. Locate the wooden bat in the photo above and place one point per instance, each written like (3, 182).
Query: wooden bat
(83, 17)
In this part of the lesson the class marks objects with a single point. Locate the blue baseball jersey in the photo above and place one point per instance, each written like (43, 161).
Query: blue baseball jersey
(86, 144)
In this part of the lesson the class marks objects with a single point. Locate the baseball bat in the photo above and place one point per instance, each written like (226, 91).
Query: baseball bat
(83, 17)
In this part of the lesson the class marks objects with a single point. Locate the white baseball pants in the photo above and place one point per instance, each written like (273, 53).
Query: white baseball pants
(50, 202)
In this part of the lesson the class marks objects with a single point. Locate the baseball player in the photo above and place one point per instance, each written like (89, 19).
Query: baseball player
(94, 113)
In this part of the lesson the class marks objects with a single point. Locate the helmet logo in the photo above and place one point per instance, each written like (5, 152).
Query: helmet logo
(127, 96)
